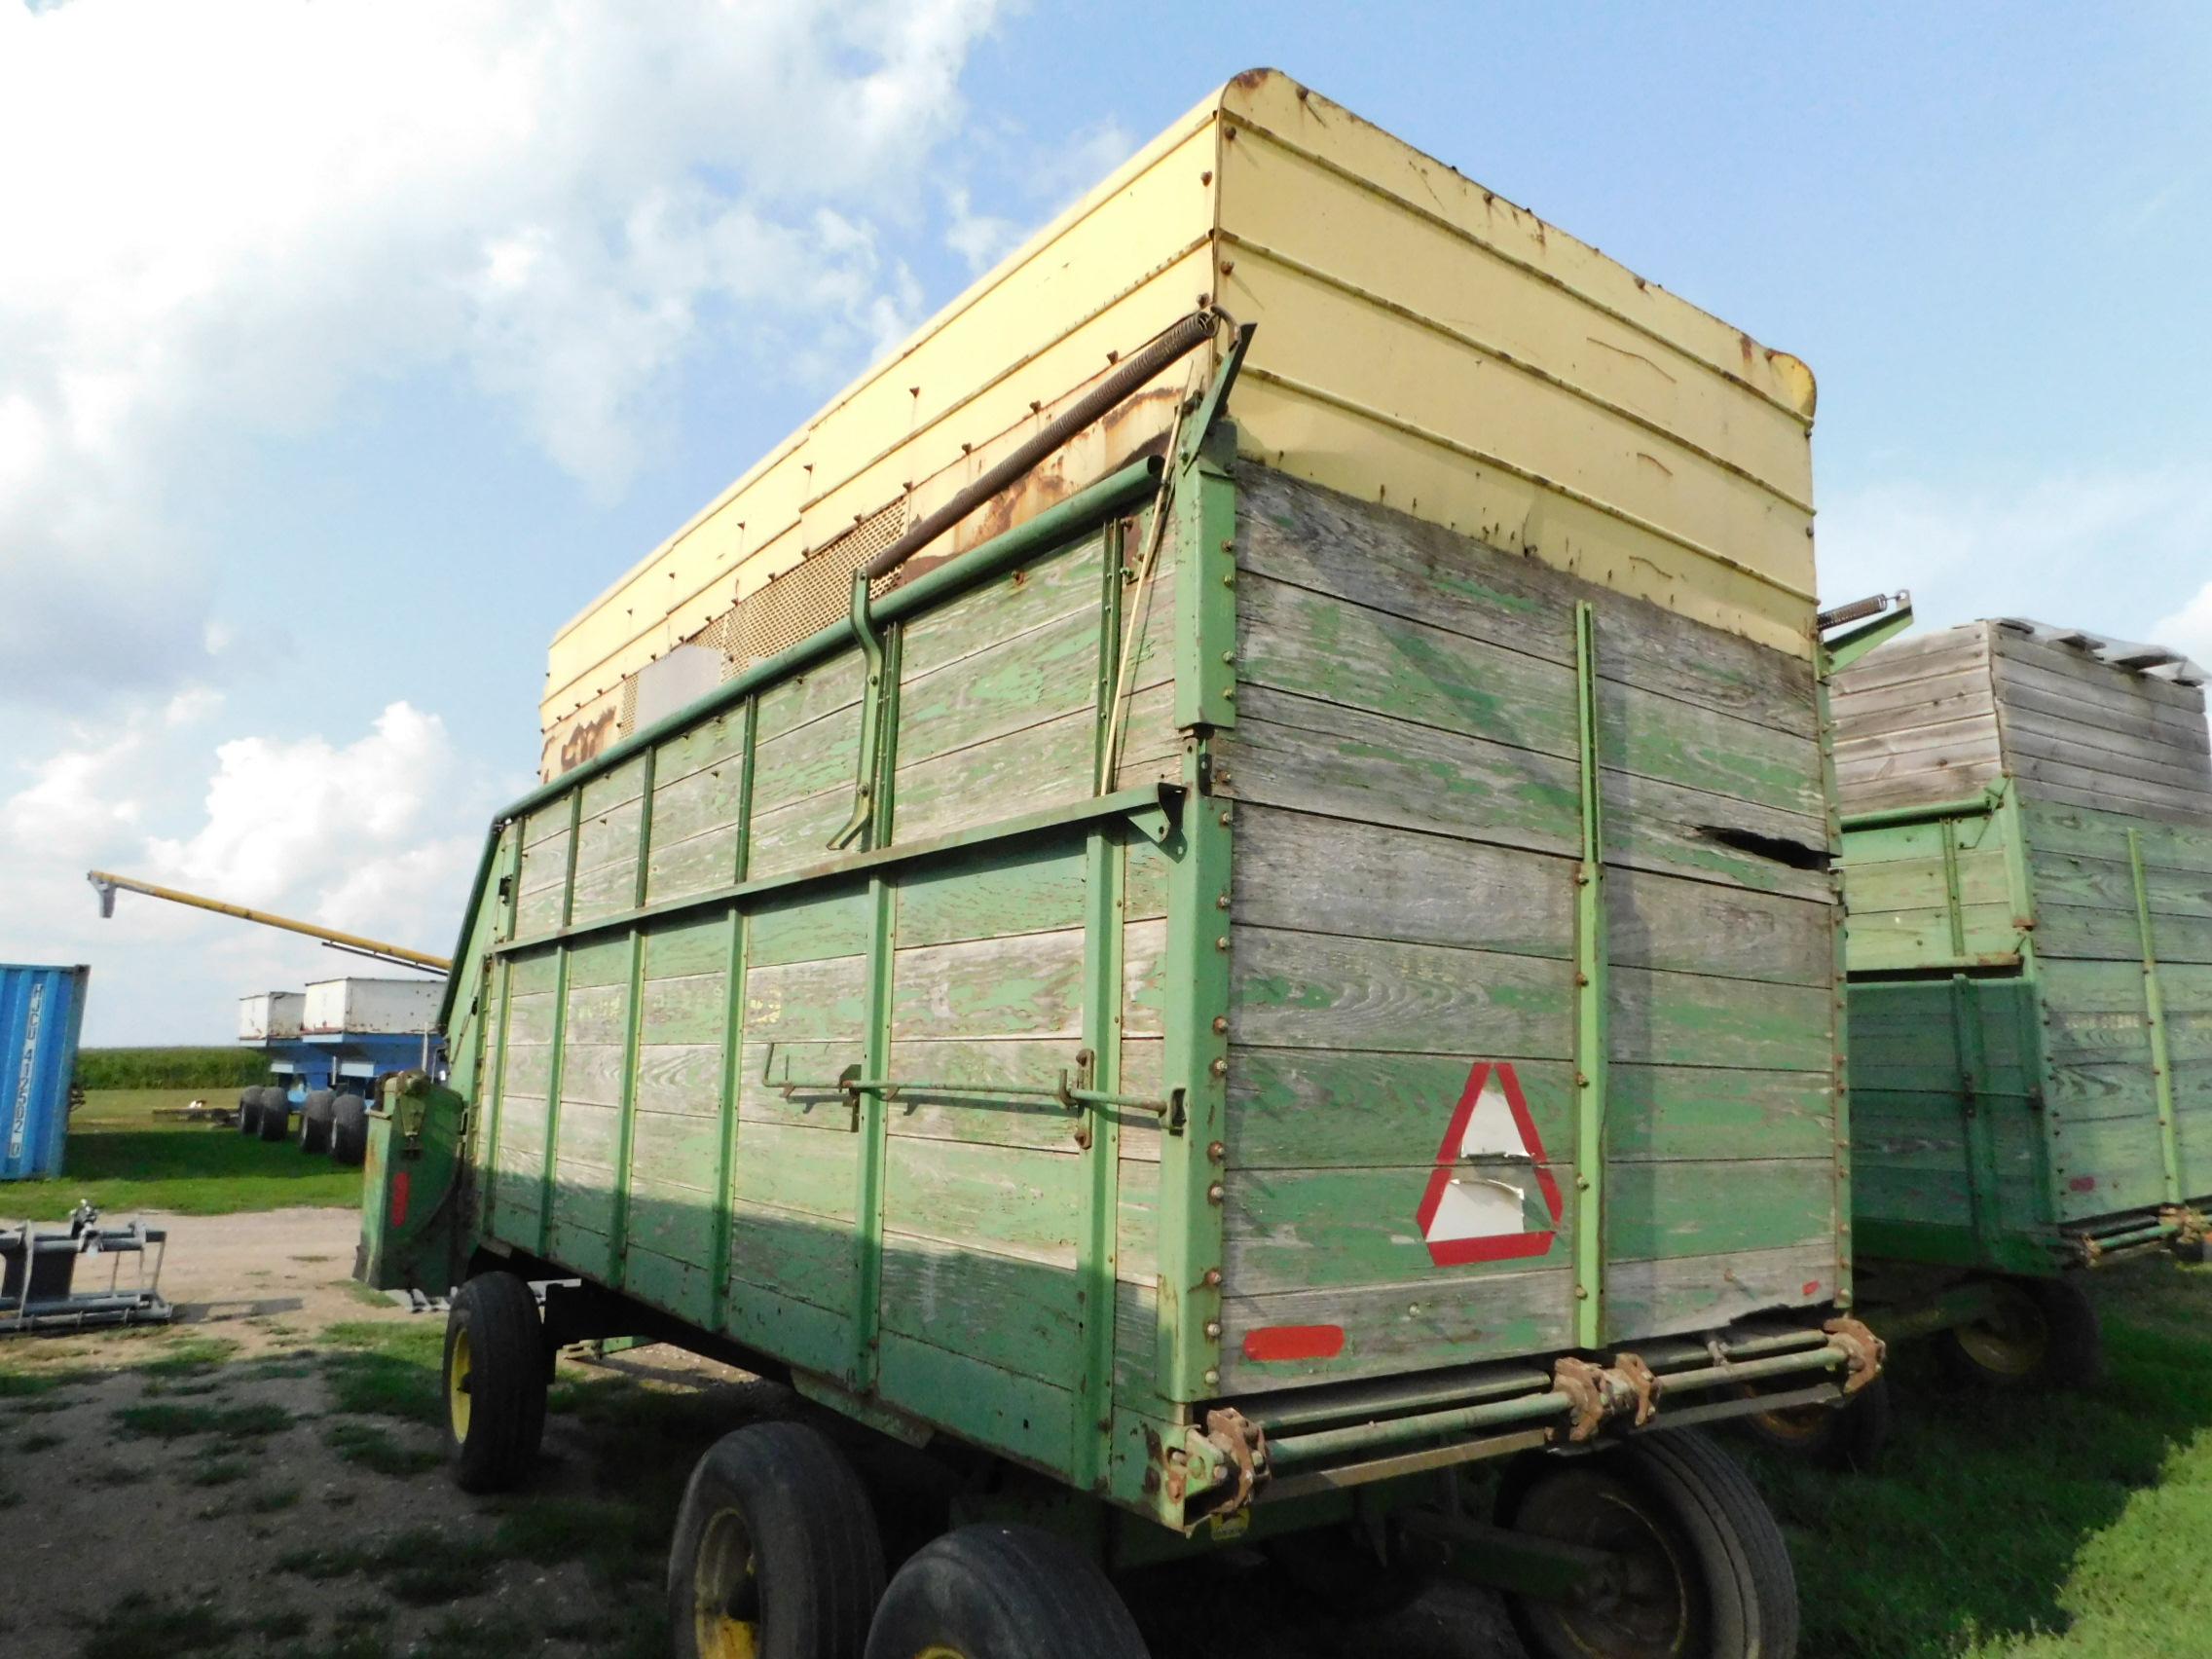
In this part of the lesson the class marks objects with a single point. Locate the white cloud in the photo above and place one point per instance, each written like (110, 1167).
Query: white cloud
(376, 833)
(2111, 551)
(222, 216)
(982, 239)
(2189, 630)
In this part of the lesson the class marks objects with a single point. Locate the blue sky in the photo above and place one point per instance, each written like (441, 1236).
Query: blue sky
(328, 389)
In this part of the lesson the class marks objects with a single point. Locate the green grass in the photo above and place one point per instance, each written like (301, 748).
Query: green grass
(139, 1625)
(374, 1448)
(2029, 1527)
(165, 1421)
(125, 1160)
(380, 1369)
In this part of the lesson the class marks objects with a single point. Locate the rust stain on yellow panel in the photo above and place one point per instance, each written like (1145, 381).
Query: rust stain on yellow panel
(1423, 340)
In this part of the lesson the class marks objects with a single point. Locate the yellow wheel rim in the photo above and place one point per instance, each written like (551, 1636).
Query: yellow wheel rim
(458, 1385)
(725, 1591)
(938, 1651)
(2011, 1341)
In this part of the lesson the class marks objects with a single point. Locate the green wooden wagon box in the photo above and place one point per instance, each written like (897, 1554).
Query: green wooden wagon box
(1263, 974)
(2028, 872)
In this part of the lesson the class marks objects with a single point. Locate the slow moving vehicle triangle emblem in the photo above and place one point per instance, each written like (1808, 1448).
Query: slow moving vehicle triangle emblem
(1476, 1206)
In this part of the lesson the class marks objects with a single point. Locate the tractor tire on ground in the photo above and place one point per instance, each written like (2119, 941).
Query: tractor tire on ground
(1707, 1570)
(1847, 1438)
(276, 1120)
(249, 1111)
(348, 1131)
(496, 1362)
(991, 1592)
(776, 1554)
(2043, 1333)
(315, 1122)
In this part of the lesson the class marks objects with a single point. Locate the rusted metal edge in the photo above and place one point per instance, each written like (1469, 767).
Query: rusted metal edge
(1173, 343)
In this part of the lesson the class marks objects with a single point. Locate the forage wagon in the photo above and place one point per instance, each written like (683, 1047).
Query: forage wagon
(2027, 856)
(1209, 900)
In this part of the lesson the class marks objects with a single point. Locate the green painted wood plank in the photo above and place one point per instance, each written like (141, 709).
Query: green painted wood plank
(1026, 889)
(1017, 1416)
(817, 922)
(1005, 1310)
(1040, 764)
(1299, 532)
(1015, 1200)
(1316, 645)
(1667, 1209)
(1317, 991)
(1319, 1229)
(1028, 986)
(1392, 1330)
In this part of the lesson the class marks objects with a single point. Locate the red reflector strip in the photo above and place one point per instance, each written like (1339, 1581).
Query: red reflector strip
(1812, 1288)
(1294, 1341)
(2082, 1183)
(399, 1183)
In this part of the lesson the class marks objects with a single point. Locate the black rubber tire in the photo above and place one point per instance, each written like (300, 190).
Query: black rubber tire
(249, 1111)
(2061, 1316)
(504, 1358)
(276, 1120)
(315, 1122)
(775, 1528)
(1846, 1439)
(1687, 1498)
(1335, 1570)
(348, 1131)
(992, 1592)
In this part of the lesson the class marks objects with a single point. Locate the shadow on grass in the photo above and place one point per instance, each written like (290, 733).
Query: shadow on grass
(1997, 1516)
(197, 1170)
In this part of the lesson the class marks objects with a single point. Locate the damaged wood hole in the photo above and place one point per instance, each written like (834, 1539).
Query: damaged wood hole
(1781, 849)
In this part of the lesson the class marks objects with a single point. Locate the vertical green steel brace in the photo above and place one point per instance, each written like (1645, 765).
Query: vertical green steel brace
(626, 1119)
(626, 1122)
(568, 874)
(866, 773)
(553, 1071)
(1976, 1138)
(493, 1108)
(878, 764)
(1947, 830)
(1590, 988)
(734, 1032)
(1097, 1264)
(1838, 993)
(2005, 812)
(560, 1023)
(1193, 1174)
(2155, 1011)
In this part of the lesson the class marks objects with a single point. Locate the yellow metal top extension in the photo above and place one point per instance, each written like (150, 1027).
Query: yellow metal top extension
(1421, 341)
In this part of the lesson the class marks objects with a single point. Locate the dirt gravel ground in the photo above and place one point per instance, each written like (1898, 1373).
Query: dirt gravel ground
(261, 1478)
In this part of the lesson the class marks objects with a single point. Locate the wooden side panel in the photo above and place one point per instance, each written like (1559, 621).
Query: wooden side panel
(1923, 1165)
(1406, 761)
(1936, 894)
(697, 807)
(587, 1126)
(805, 764)
(609, 825)
(675, 1134)
(1916, 721)
(2084, 732)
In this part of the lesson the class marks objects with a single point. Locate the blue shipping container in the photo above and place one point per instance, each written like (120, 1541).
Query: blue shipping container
(41, 1011)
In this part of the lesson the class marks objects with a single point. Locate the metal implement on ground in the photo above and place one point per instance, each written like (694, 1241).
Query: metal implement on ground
(1287, 955)
(40, 1270)
(2027, 835)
